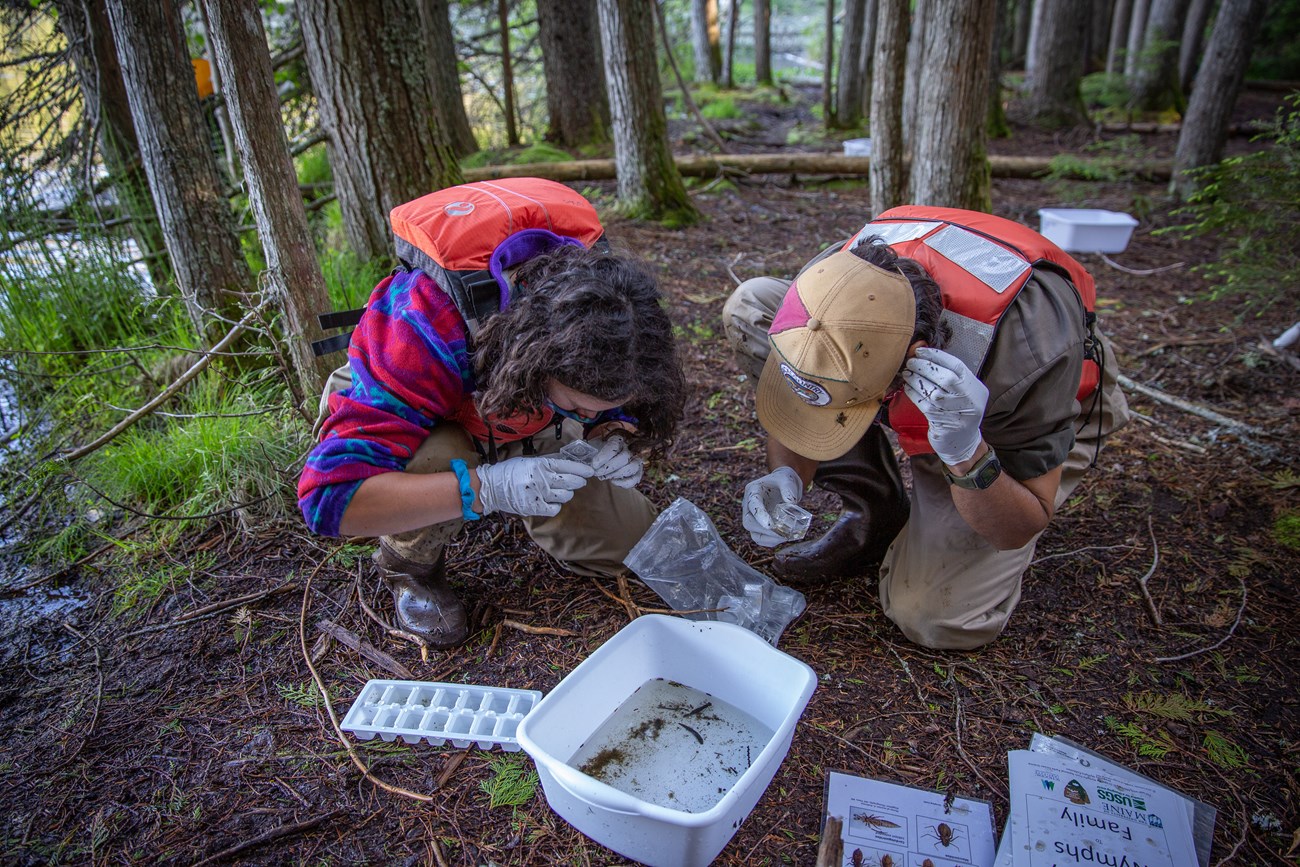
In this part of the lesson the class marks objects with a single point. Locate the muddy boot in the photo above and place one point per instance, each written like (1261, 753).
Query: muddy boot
(874, 509)
(424, 603)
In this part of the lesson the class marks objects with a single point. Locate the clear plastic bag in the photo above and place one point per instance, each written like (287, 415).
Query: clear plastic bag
(683, 559)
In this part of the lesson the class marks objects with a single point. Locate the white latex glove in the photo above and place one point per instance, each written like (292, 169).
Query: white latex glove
(616, 464)
(952, 399)
(782, 485)
(530, 486)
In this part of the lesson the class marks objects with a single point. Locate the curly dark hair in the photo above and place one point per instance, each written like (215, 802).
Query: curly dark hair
(929, 299)
(593, 321)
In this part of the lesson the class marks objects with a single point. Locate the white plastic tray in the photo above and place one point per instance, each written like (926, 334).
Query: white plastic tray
(440, 712)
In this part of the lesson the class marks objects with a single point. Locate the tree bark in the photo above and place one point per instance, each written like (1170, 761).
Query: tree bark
(1118, 29)
(368, 63)
(763, 42)
(828, 67)
(575, 97)
(950, 162)
(198, 226)
(292, 269)
(1193, 38)
(507, 74)
(848, 90)
(888, 178)
(649, 185)
(1098, 35)
(1205, 127)
(867, 57)
(1020, 35)
(84, 24)
(1137, 26)
(447, 93)
(916, 47)
(729, 52)
(1052, 98)
(1155, 82)
(706, 40)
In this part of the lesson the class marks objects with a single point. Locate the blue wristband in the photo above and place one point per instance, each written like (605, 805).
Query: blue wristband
(466, 491)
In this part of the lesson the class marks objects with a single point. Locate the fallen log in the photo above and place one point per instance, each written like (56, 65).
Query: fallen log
(709, 166)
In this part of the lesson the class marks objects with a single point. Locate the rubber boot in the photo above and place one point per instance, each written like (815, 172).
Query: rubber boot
(423, 601)
(874, 508)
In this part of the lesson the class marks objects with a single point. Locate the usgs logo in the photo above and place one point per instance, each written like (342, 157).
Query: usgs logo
(1121, 799)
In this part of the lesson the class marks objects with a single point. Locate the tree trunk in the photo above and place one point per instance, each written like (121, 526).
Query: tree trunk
(197, 224)
(1155, 83)
(763, 42)
(916, 47)
(575, 97)
(848, 91)
(706, 40)
(292, 269)
(1035, 27)
(997, 125)
(219, 113)
(94, 53)
(375, 94)
(507, 74)
(1137, 26)
(1193, 37)
(828, 69)
(1118, 29)
(1205, 127)
(1020, 36)
(447, 94)
(1052, 98)
(1098, 36)
(649, 185)
(867, 57)
(888, 178)
(950, 163)
(729, 54)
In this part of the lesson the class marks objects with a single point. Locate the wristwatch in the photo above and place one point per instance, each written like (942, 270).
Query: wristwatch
(982, 475)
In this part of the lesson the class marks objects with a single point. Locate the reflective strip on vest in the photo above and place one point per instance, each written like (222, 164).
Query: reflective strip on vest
(981, 262)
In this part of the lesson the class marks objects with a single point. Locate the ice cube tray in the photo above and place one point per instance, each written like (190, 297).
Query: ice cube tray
(440, 712)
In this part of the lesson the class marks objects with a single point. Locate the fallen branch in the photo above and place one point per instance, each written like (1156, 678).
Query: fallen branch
(325, 696)
(536, 630)
(273, 834)
(1076, 551)
(830, 852)
(1187, 406)
(1142, 582)
(1216, 645)
(350, 639)
(197, 368)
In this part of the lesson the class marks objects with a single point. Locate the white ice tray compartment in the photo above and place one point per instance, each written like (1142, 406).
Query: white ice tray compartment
(461, 713)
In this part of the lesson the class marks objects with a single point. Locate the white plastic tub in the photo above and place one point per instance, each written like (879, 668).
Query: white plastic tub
(1086, 230)
(857, 147)
(730, 664)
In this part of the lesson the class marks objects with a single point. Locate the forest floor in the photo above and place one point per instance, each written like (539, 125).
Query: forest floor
(187, 731)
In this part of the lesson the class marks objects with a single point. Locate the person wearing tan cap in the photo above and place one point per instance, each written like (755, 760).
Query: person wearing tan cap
(981, 355)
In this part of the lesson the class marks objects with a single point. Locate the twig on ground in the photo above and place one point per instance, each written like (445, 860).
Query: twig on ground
(209, 611)
(908, 671)
(1235, 623)
(391, 629)
(536, 630)
(1142, 582)
(325, 696)
(625, 594)
(450, 768)
(496, 637)
(1180, 444)
(1242, 431)
(1076, 551)
(1140, 272)
(961, 750)
(273, 834)
(732, 265)
(350, 639)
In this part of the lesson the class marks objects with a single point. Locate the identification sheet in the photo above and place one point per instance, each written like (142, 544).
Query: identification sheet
(888, 825)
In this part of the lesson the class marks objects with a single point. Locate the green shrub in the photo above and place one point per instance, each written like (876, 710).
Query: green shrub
(1249, 202)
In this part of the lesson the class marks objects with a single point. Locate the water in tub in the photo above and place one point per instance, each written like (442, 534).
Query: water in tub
(673, 745)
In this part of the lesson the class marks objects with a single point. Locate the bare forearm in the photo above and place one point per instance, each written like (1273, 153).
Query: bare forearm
(397, 502)
(1009, 513)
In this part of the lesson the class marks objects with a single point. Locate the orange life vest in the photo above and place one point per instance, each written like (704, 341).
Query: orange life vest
(981, 262)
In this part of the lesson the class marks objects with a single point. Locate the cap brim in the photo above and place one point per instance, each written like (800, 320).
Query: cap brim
(817, 433)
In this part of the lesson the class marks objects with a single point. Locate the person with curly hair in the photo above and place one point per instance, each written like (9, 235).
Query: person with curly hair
(429, 425)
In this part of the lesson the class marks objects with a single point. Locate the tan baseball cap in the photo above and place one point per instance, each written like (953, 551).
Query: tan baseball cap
(838, 340)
